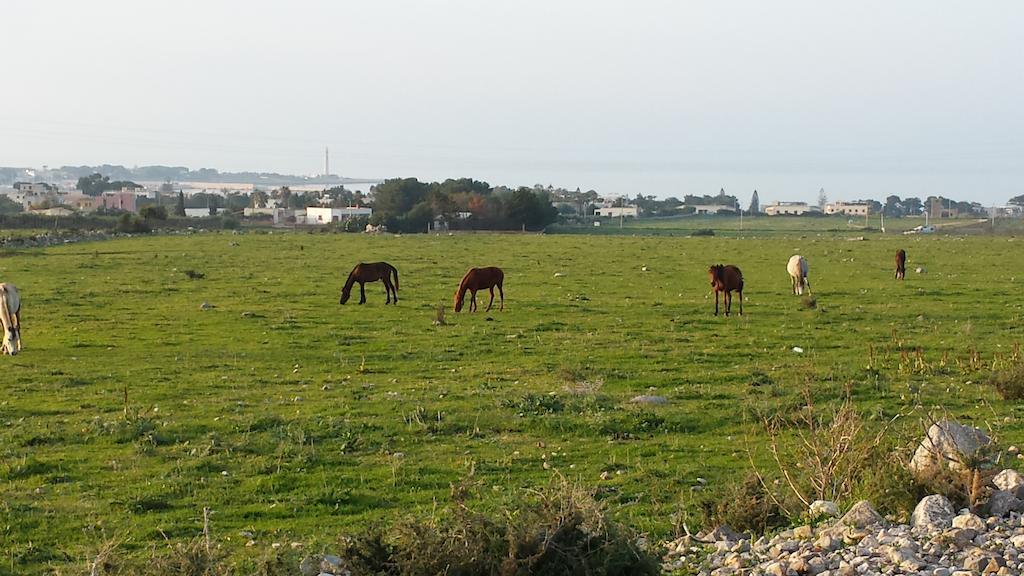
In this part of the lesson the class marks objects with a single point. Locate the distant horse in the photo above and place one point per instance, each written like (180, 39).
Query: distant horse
(10, 318)
(726, 279)
(901, 264)
(797, 268)
(364, 273)
(478, 279)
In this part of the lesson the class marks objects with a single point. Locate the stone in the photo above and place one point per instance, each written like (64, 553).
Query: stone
(861, 515)
(645, 399)
(949, 445)
(820, 508)
(1009, 480)
(803, 532)
(968, 520)
(1002, 502)
(933, 513)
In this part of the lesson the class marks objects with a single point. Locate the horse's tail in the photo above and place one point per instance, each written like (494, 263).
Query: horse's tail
(395, 271)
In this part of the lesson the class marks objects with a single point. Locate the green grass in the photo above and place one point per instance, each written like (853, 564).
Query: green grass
(297, 419)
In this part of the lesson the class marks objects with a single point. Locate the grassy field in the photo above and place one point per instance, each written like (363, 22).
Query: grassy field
(294, 419)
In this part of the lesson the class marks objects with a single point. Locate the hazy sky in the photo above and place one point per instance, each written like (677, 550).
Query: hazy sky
(864, 98)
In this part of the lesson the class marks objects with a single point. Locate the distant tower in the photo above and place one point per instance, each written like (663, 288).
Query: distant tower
(327, 162)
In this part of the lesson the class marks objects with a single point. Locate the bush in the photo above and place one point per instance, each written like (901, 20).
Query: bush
(130, 224)
(560, 530)
(703, 232)
(154, 213)
(1009, 383)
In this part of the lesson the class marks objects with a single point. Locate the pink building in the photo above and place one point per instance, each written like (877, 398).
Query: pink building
(123, 200)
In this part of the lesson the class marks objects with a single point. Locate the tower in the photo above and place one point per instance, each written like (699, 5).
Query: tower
(327, 162)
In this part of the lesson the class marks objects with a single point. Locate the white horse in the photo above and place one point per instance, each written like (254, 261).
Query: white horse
(797, 268)
(10, 318)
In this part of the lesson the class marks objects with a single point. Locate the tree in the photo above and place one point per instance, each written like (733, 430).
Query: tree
(893, 207)
(1016, 200)
(822, 199)
(755, 204)
(153, 213)
(93, 185)
(259, 198)
(179, 208)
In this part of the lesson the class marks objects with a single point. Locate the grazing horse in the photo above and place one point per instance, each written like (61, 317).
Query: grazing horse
(10, 318)
(797, 268)
(726, 279)
(901, 264)
(364, 273)
(478, 279)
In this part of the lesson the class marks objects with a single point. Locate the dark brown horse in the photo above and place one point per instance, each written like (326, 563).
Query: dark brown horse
(727, 279)
(372, 272)
(478, 279)
(901, 264)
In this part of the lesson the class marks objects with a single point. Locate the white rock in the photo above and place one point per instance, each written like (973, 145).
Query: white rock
(968, 520)
(932, 513)
(821, 508)
(949, 444)
(1008, 479)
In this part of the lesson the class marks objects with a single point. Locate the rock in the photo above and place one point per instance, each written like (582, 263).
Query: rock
(1009, 480)
(645, 399)
(1002, 502)
(310, 565)
(820, 508)
(206, 306)
(933, 513)
(968, 520)
(946, 445)
(724, 533)
(861, 515)
(803, 532)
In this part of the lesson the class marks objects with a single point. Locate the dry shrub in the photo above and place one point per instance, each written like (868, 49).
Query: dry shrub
(560, 530)
(1009, 383)
(832, 454)
(747, 506)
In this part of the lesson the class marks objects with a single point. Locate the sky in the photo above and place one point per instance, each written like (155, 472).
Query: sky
(665, 98)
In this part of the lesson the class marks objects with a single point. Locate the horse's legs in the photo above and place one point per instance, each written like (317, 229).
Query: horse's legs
(728, 302)
(808, 282)
(740, 292)
(472, 300)
(362, 292)
(716, 302)
(491, 303)
(502, 293)
(387, 290)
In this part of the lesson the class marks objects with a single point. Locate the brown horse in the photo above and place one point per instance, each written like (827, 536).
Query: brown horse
(478, 279)
(901, 264)
(364, 273)
(726, 279)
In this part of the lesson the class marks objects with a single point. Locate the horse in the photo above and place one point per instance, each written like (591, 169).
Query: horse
(901, 264)
(797, 268)
(10, 318)
(478, 279)
(726, 279)
(372, 272)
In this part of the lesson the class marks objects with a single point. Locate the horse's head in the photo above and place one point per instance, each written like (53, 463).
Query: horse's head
(345, 293)
(715, 274)
(459, 296)
(11, 341)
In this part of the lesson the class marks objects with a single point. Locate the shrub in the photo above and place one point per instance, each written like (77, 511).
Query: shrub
(1009, 383)
(153, 212)
(703, 232)
(555, 531)
(130, 224)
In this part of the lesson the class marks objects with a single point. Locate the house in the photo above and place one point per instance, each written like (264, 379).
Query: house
(848, 208)
(791, 209)
(201, 212)
(326, 214)
(617, 212)
(123, 200)
(707, 208)
(82, 202)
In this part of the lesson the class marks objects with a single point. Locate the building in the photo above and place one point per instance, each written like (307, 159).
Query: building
(123, 200)
(707, 208)
(327, 215)
(618, 212)
(791, 209)
(82, 202)
(848, 208)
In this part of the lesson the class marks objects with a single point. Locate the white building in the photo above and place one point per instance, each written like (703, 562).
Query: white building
(617, 212)
(847, 208)
(326, 215)
(791, 209)
(708, 208)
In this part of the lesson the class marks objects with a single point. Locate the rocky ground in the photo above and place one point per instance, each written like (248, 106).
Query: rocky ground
(938, 541)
